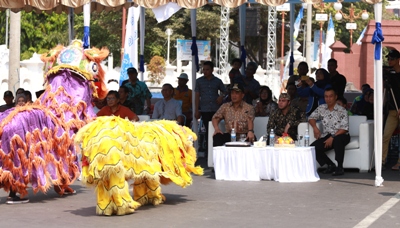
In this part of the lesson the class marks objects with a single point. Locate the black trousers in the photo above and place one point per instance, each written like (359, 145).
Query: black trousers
(338, 145)
(220, 139)
(207, 117)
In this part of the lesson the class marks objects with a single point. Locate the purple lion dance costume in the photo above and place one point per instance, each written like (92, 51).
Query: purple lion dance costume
(37, 141)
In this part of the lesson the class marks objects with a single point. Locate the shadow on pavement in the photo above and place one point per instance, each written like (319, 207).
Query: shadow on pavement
(84, 211)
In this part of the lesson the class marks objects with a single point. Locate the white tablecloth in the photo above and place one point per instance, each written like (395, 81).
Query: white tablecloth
(269, 163)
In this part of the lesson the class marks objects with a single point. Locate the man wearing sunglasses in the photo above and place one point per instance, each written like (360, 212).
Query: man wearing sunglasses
(392, 100)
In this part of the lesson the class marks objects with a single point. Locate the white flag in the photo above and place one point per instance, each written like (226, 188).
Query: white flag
(359, 42)
(86, 25)
(162, 13)
(131, 43)
(330, 39)
(297, 23)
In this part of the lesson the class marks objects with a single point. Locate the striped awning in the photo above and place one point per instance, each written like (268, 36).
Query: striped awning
(112, 5)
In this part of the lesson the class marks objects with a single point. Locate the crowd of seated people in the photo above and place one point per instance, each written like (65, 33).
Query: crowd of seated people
(21, 96)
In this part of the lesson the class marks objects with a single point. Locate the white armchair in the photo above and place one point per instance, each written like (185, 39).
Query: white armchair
(360, 149)
(143, 118)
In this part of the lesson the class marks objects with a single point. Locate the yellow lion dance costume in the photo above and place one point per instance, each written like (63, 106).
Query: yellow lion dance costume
(115, 150)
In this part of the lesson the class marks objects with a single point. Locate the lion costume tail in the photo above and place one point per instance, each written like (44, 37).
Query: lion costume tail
(115, 150)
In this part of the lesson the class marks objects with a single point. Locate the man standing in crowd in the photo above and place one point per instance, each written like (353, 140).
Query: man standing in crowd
(237, 114)
(207, 98)
(8, 98)
(251, 86)
(335, 123)
(168, 108)
(286, 118)
(138, 92)
(184, 94)
(302, 70)
(338, 81)
(391, 108)
(123, 97)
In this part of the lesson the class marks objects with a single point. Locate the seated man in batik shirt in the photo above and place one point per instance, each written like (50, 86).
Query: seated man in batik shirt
(237, 114)
(286, 118)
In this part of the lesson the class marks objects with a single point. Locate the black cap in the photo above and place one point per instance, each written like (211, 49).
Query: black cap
(131, 70)
(8, 93)
(393, 54)
(238, 87)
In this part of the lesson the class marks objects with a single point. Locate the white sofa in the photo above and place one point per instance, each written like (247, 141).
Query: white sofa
(143, 118)
(260, 129)
(360, 149)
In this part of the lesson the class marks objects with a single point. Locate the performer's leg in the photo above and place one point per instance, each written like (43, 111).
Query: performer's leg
(14, 199)
(12, 193)
(113, 197)
(147, 191)
(64, 189)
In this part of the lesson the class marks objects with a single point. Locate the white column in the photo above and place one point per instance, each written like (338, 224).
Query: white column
(309, 32)
(378, 102)
(15, 50)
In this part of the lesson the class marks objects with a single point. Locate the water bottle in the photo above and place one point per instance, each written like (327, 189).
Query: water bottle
(233, 135)
(306, 138)
(272, 138)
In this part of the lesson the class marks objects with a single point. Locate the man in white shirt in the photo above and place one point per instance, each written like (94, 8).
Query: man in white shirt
(335, 121)
(168, 108)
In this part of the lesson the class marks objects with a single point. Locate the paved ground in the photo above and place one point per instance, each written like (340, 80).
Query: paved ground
(331, 202)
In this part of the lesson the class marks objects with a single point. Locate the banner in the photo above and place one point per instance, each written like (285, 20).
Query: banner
(86, 26)
(297, 23)
(131, 43)
(316, 44)
(330, 39)
(184, 51)
(359, 42)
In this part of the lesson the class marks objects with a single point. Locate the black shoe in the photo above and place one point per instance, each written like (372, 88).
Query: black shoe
(329, 169)
(16, 200)
(338, 172)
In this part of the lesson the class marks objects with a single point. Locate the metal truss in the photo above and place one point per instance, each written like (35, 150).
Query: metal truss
(271, 49)
(224, 41)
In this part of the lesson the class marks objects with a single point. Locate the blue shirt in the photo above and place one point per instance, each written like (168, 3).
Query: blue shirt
(251, 85)
(138, 93)
(168, 110)
(208, 90)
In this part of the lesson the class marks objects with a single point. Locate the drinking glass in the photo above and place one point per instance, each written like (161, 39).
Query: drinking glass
(299, 140)
(242, 137)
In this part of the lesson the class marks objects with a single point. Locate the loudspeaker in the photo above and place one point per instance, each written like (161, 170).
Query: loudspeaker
(252, 21)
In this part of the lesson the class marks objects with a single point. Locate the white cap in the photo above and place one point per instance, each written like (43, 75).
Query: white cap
(184, 76)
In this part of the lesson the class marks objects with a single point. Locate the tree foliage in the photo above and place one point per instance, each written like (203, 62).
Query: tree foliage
(156, 69)
(39, 32)
(105, 31)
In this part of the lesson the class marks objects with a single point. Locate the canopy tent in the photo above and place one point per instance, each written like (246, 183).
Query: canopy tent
(107, 5)
(100, 5)
(60, 6)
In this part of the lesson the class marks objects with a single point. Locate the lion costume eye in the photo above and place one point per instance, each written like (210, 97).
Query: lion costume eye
(93, 68)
